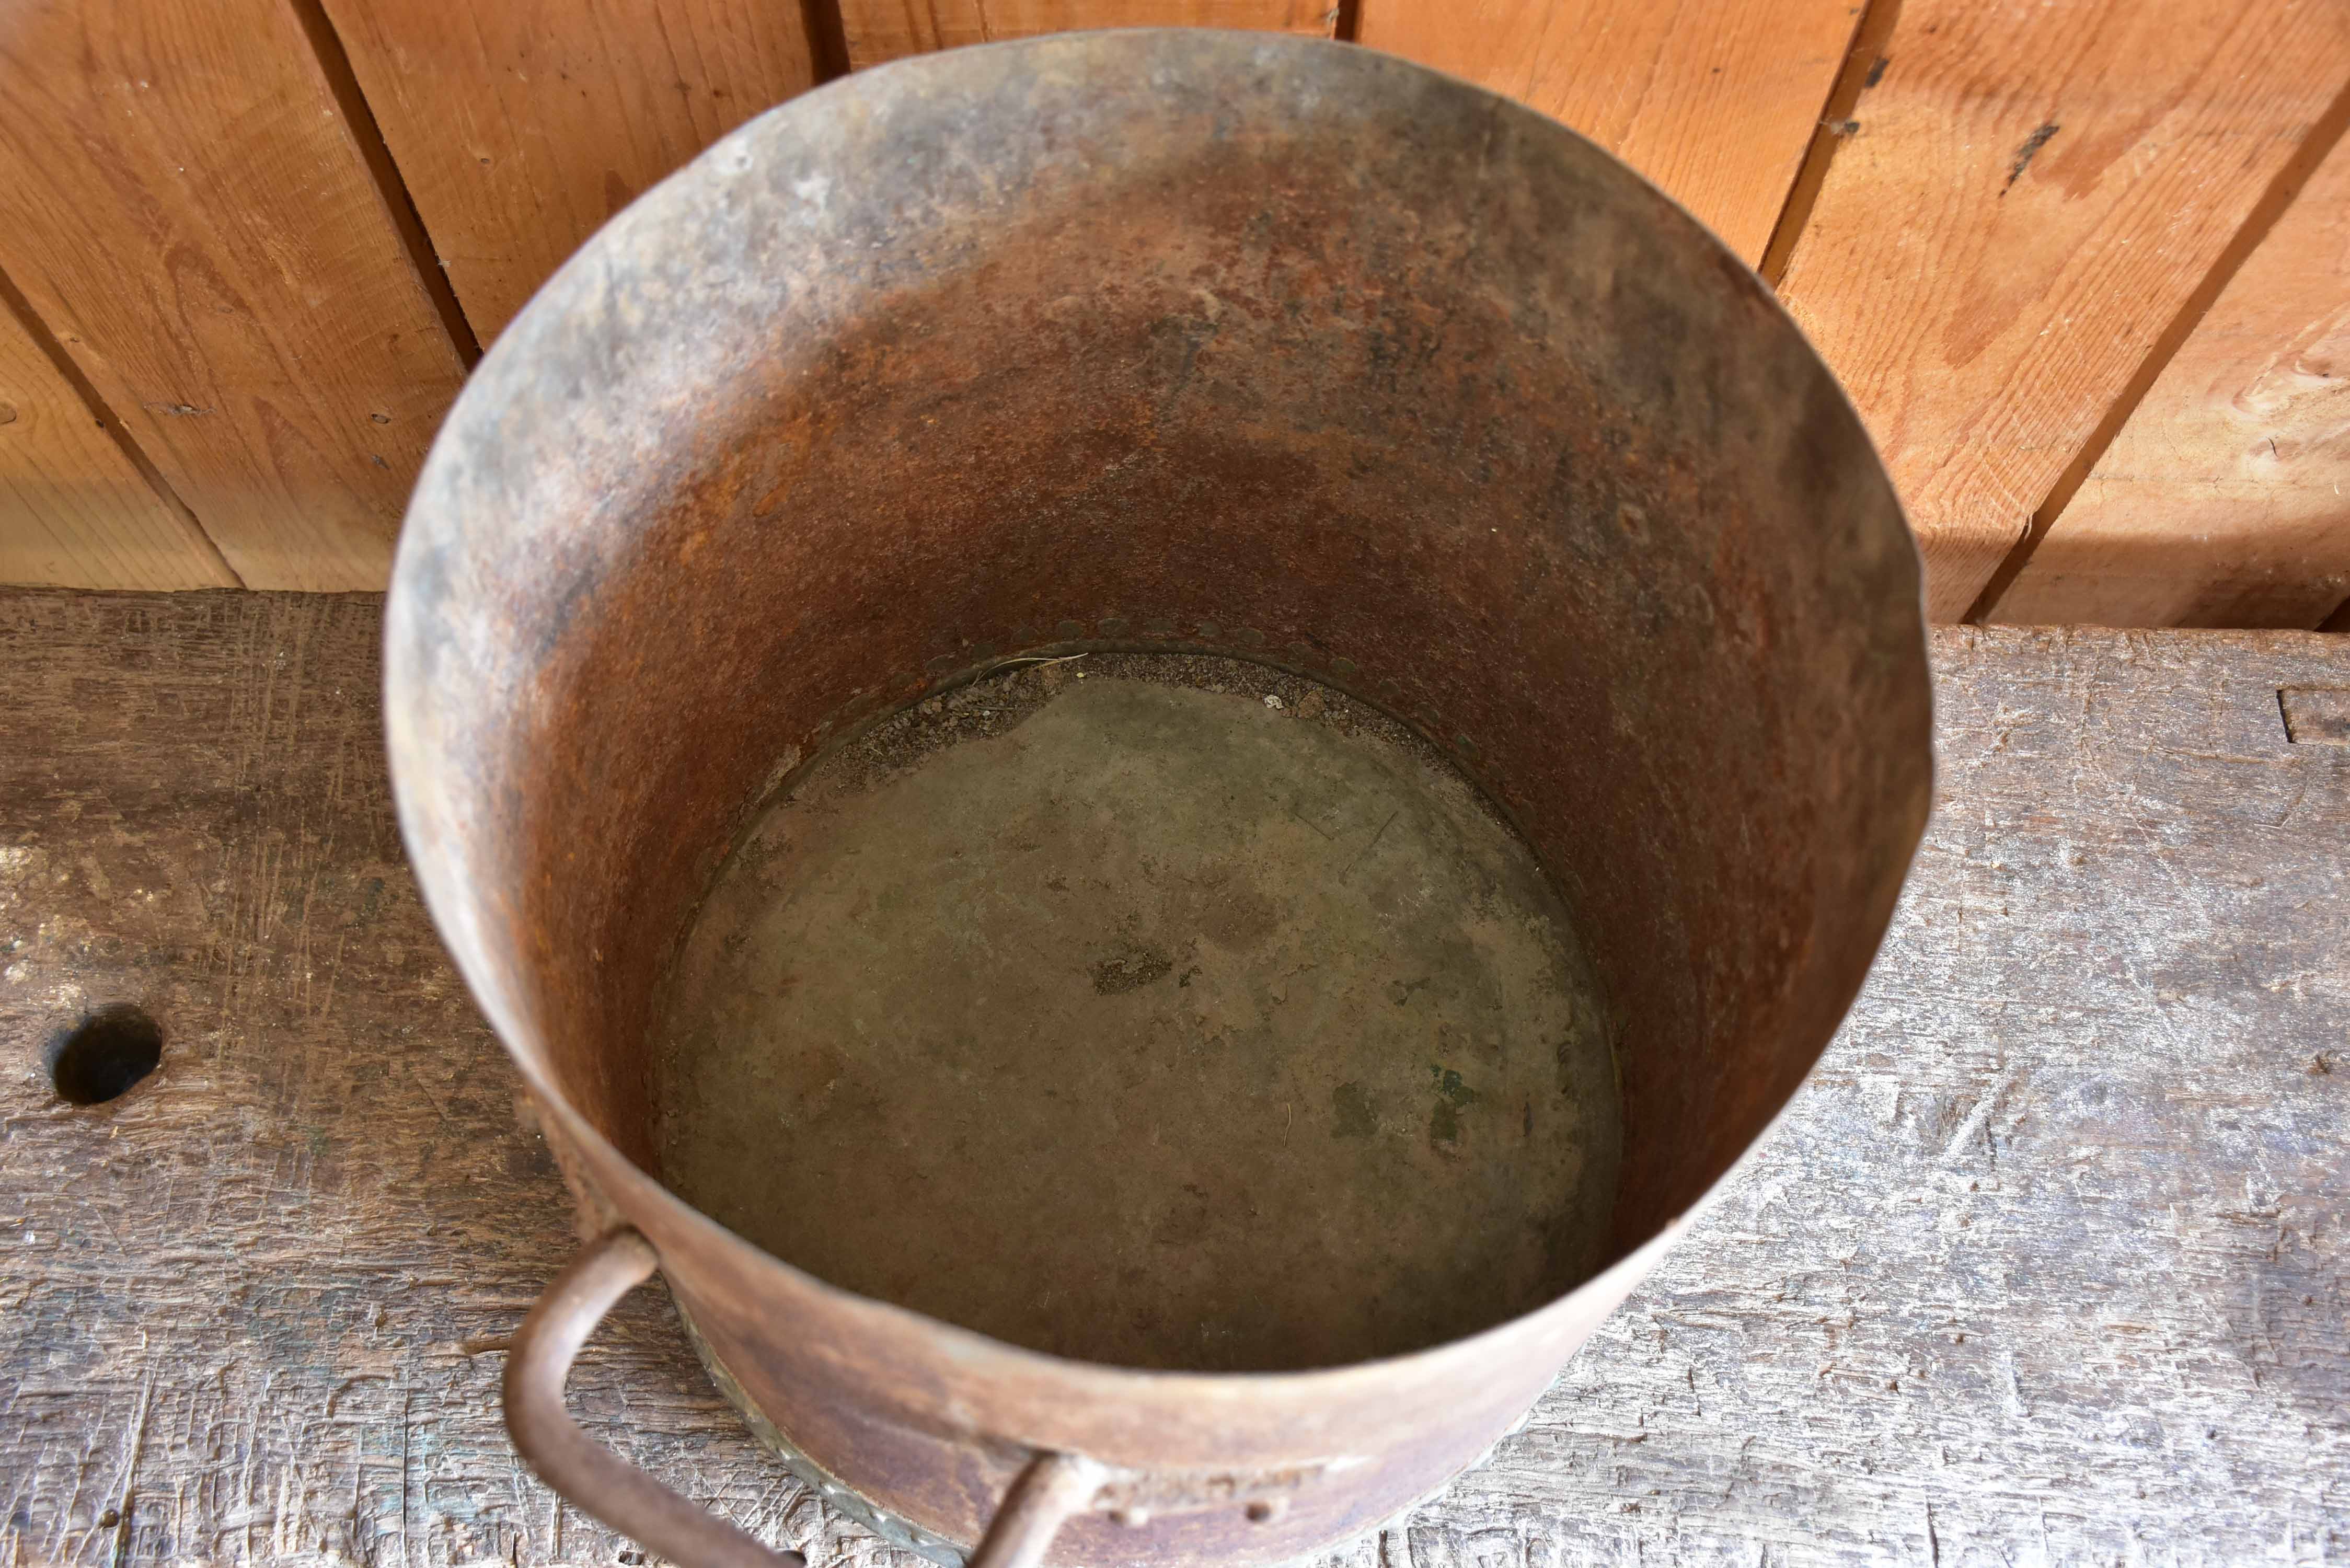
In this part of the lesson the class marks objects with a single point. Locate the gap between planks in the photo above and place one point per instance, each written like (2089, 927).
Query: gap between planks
(2283, 189)
(14, 303)
(392, 189)
(1863, 59)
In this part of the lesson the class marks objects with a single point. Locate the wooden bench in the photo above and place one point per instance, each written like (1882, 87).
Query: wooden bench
(2050, 1262)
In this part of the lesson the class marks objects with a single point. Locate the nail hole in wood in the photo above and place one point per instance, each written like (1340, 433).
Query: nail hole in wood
(103, 1055)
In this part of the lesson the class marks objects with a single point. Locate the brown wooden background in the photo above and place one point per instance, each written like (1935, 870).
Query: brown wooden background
(2084, 264)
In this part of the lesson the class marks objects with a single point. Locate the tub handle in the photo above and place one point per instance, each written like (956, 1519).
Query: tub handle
(586, 1474)
(610, 1491)
(1052, 1488)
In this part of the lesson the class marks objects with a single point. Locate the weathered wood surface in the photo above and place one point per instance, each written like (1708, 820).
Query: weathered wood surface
(878, 30)
(2047, 1265)
(2025, 196)
(2219, 502)
(75, 511)
(519, 132)
(1715, 100)
(187, 205)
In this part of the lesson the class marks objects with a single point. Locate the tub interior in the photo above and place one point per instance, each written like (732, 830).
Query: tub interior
(1402, 391)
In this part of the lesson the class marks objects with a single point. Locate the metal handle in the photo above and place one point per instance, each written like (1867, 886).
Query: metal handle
(1052, 1488)
(587, 1475)
(610, 1491)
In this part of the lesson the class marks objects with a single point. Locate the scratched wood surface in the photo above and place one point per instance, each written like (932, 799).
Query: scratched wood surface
(2048, 1265)
(520, 131)
(2220, 501)
(188, 207)
(1715, 100)
(878, 30)
(2023, 198)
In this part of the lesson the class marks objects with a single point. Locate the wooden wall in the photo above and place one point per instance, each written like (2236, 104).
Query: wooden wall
(2084, 265)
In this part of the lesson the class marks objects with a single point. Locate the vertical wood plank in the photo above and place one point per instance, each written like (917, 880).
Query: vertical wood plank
(881, 30)
(2225, 500)
(1715, 100)
(2020, 206)
(75, 511)
(519, 128)
(182, 202)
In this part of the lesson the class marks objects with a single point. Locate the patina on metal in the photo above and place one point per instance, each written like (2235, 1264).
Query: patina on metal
(1170, 1029)
(1154, 340)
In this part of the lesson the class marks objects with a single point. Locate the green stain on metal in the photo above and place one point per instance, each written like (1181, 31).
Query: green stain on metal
(1455, 1093)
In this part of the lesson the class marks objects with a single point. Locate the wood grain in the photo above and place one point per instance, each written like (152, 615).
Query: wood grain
(2023, 200)
(183, 203)
(881, 30)
(75, 511)
(2050, 1262)
(2221, 501)
(520, 128)
(1715, 100)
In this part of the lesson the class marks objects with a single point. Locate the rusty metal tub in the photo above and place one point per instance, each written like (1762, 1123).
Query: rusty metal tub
(1151, 341)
